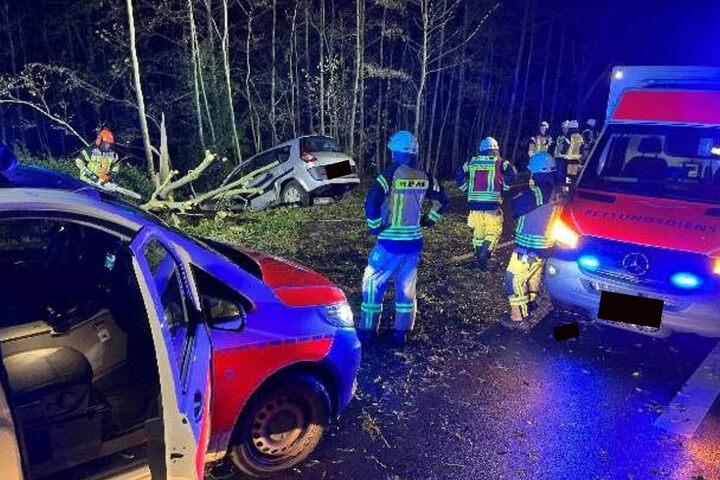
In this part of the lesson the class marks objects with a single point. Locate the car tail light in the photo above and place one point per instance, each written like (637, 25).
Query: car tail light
(308, 157)
(563, 234)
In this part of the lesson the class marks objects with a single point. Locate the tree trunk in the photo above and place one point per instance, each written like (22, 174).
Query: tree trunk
(516, 81)
(321, 41)
(558, 72)
(543, 82)
(523, 105)
(459, 95)
(425, 13)
(358, 71)
(228, 83)
(311, 116)
(293, 70)
(139, 94)
(196, 81)
(273, 113)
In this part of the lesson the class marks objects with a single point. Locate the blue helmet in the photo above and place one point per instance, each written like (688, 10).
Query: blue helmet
(542, 162)
(403, 142)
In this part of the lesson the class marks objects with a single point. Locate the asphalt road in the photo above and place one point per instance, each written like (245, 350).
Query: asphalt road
(523, 406)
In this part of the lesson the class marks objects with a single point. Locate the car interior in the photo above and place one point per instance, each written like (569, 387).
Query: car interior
(76, 344)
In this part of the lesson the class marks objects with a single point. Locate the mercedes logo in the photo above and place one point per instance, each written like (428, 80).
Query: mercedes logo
(636, 263)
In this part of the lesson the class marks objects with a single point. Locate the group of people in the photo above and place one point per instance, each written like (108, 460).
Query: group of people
(395, 215)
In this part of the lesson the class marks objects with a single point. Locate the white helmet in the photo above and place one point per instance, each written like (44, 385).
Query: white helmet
(488, 143)
(565, 124)
(545, 124)
(591, 122)
(574, 124)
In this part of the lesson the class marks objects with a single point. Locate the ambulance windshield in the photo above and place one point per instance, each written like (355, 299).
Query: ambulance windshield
(657, 160)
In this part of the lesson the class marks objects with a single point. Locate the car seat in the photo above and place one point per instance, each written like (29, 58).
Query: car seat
(648, 165)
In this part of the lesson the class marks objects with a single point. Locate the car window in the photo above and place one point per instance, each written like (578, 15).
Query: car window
(319, 144)
(214, 290)
(168, 280)
(18, 236)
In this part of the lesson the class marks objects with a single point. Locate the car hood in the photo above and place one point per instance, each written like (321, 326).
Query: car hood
(658, 222)
(294, 284)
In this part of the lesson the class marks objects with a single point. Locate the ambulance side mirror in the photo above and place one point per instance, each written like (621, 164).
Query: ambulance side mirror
(225, 314)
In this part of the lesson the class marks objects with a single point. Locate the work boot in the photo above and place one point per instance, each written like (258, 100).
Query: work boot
(368, 338)
(482, 255)
(398, 338)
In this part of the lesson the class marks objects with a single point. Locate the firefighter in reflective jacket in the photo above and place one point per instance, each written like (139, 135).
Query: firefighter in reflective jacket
(541, 142)
(484, 178)
(394, 210)
(534, 211)
(97, 162)
(568, 151)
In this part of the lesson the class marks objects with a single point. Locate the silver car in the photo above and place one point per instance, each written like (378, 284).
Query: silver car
(311, 169)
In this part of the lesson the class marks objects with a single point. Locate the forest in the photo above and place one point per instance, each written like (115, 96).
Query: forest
(237, 76)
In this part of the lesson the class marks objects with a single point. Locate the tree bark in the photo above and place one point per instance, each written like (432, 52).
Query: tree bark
(516, 81)
(273, 114)
(321, 41)
(196, 80)
(139, 93)
(558, 72)
(228, 83)
(523, 106)
(358, 70)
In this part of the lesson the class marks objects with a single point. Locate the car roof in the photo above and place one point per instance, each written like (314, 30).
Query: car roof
(26, 176)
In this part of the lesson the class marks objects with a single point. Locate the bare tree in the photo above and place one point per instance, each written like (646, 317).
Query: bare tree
(139, 93)
(228, 82)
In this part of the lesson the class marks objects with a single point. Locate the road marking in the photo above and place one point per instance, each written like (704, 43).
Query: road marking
(690, 406)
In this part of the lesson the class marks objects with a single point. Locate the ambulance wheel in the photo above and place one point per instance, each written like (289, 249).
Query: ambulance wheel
(294, 194)
(283, 425)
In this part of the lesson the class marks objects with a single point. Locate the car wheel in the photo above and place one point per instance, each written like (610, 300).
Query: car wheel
(282, 427)
(294, 194)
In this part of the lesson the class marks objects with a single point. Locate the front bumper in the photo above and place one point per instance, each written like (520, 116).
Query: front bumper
(698, 314)
(344, 361)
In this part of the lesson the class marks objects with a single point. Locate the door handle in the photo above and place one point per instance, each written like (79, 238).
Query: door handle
(198, 406)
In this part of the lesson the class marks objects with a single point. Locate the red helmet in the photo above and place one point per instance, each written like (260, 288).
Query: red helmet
(106, 136)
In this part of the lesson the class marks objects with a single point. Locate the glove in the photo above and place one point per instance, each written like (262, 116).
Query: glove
(103, 177)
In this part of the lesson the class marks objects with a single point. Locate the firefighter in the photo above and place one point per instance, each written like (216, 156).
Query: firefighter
(568, 151)
(590, 136)
(97, 162)
(484, 177)
(394, 210)
(534, 210)
(541, 142)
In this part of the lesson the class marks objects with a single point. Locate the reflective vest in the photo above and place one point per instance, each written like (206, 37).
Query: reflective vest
(485, 179)
(98, 162)
(402, 210)
(533, 229)
(569, 148)
(539, 143)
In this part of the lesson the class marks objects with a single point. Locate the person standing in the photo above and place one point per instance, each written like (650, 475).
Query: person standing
(568, 151)
(97, 162)
(590, 136)
(541, 141)
(484, 178)
(394, 211)
(534, 210)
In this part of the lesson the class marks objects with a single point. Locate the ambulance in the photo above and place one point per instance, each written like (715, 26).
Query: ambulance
(644, 220)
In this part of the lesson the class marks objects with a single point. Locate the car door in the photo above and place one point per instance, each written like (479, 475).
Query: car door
(183, 351)
(12, 468)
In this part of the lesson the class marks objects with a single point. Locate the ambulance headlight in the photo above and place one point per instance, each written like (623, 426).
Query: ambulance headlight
(339, 315)
(686, 280)
(716, 266)
(562, 234)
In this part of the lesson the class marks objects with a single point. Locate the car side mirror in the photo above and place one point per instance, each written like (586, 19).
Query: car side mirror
(225, 314)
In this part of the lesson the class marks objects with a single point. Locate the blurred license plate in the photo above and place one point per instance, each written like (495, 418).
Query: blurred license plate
(340, 169)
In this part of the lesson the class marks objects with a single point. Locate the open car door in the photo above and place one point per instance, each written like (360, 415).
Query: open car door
(12, 468)
(183, 352)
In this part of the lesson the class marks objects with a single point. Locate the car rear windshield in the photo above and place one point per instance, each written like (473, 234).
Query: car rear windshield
(319, 144)
(662, 161)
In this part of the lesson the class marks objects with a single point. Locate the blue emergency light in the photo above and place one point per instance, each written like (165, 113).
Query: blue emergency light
(686, 280)
(589, 262)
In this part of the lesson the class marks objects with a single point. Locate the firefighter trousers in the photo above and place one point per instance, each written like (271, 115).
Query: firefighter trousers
(382, 267)
(523, 278)
(487, 227)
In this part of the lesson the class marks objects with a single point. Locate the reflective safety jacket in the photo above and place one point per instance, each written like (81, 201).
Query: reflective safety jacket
(484, 178)
(569, 148)
(534, 212)
(539, 143)
(394, 207)
(96, 162)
